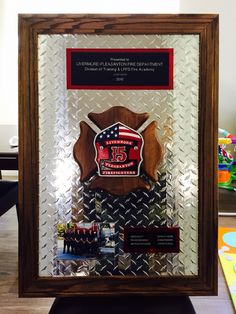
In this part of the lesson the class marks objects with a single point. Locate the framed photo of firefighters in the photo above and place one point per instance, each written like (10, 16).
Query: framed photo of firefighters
(118, 168)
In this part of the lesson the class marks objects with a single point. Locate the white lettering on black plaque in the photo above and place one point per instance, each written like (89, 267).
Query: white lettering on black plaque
(119, 68)
(151, 240)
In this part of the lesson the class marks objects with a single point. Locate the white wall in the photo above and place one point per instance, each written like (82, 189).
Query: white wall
(227, 86)
(8, 65)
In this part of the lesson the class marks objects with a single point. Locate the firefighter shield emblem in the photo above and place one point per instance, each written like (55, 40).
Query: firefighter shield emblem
(118, 151)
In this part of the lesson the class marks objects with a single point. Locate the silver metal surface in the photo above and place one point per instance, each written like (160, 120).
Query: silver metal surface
(173, 201)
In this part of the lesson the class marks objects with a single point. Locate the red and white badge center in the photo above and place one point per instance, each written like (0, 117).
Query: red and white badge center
(118, 151)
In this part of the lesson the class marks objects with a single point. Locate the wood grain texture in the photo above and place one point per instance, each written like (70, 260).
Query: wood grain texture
(118, 24)
(118, 114)
(28, 155)
(84, 153)
(151, 148)
(208, 140)
(206, 26)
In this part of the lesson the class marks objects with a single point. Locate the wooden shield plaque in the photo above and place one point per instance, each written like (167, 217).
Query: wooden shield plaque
(118, 138)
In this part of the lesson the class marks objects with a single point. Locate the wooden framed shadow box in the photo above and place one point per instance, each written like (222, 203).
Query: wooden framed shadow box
(118, 160)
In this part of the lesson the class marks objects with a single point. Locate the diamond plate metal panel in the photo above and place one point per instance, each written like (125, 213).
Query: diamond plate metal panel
(172, 201)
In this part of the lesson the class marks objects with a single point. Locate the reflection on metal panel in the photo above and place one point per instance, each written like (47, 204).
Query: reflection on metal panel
(172, 201)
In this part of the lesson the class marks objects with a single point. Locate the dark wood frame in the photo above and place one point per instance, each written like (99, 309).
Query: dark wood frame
(206, 26)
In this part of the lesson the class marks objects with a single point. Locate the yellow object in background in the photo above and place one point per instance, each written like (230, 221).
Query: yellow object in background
(228, 262)
(227, 256)
(225, 141)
